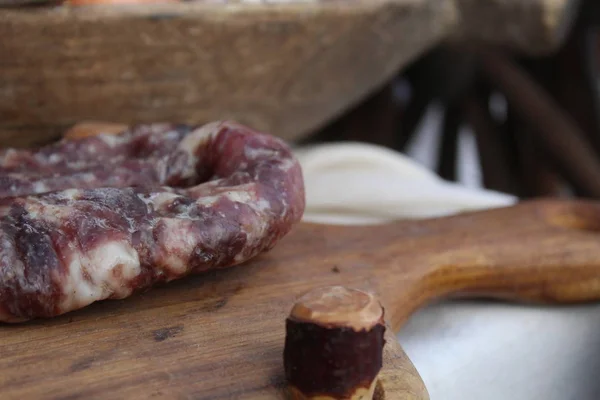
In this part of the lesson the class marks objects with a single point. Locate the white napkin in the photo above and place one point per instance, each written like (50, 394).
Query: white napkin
(468, 350)
(369, 183)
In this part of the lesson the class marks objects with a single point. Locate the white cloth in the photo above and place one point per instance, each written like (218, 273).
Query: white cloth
(466, 350)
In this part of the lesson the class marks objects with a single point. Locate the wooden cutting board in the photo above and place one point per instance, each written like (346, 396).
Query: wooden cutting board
(221, 335)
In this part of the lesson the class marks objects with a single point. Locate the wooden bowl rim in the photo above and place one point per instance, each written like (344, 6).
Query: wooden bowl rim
(197, 8)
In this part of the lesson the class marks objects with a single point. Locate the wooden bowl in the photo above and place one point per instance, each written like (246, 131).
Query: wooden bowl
(286, 68)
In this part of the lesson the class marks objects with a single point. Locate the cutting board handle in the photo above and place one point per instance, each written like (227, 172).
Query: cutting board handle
(542, 251)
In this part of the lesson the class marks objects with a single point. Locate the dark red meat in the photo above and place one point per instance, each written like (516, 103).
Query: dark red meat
(102, 217)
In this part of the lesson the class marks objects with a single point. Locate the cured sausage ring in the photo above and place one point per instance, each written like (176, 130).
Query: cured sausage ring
(104, 216)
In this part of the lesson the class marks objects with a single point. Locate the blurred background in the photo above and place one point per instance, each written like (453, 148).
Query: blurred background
(486, 116)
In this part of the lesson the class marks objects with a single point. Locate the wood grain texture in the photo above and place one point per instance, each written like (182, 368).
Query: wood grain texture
(221, 334)
(285, 68)
(532, 27)
(281, 68)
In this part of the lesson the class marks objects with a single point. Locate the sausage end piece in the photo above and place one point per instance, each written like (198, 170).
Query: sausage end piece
(334, 345)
